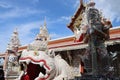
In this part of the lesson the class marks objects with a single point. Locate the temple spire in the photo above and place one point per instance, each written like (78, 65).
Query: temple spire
(15, 31)
(41, 39)
(14, 41)
(40, 29)
(43, 32)
(45, 22)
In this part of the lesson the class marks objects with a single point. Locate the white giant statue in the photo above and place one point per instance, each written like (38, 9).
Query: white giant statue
(37, 65)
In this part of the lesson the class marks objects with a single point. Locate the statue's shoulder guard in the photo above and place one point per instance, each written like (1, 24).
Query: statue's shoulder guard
(106, 29)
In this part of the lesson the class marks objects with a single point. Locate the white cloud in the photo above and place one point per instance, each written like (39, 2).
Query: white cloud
(61, 19)
(72, 4)
(4, 5)
(67, 18)
(17, 12)
(54, 35)
(110, 8)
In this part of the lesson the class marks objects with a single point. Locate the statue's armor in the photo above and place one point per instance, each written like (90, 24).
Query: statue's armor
(97, 50)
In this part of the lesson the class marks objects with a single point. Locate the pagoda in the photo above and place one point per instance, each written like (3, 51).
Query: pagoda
(14, 42)
(41, 40)
(11, 67)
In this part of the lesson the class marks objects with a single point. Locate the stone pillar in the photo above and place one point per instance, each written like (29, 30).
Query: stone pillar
(5, 65)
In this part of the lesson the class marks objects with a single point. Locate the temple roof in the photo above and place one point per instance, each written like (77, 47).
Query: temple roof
(76, 14)
(67, 43)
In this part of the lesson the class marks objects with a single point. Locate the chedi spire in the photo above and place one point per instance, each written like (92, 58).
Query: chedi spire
(14, 41)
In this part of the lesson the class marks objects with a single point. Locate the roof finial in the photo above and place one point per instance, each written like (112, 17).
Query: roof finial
(91, 3)
(15, 31)
(81, 1)
(45, 22)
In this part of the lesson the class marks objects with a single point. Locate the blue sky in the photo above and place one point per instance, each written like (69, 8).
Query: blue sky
(28, 15)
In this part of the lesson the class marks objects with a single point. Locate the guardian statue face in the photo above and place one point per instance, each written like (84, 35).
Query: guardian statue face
(42, 66)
